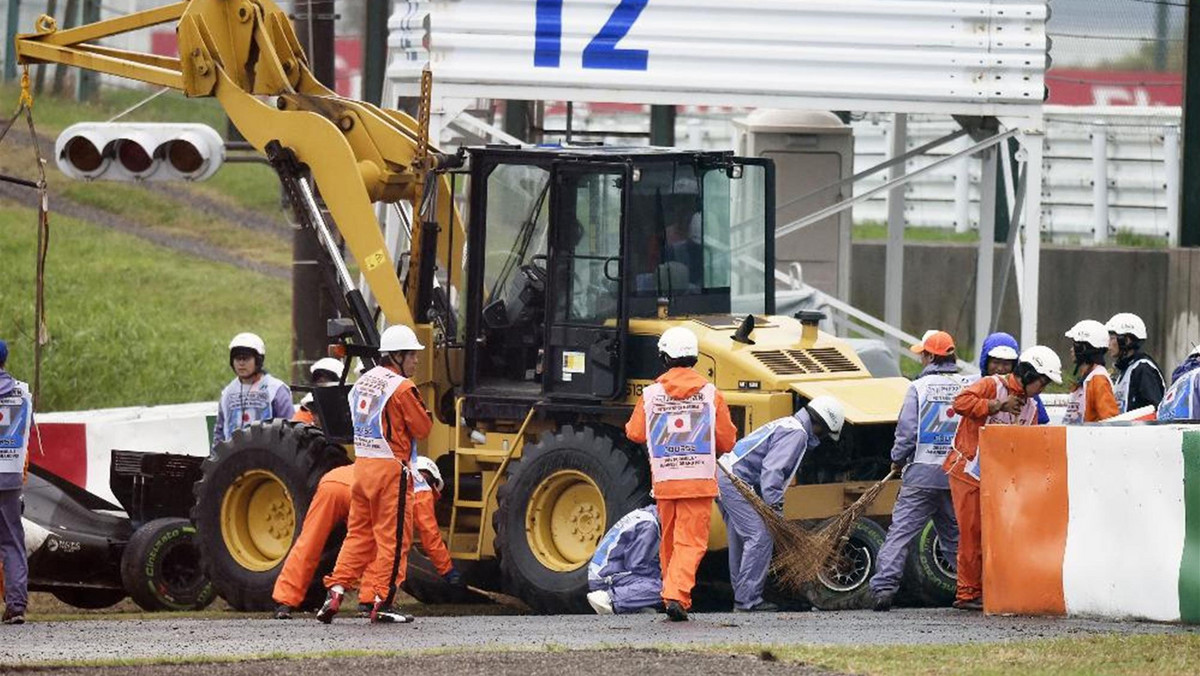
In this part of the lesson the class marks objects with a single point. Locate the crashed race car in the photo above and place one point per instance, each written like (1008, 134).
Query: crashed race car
(90, 553)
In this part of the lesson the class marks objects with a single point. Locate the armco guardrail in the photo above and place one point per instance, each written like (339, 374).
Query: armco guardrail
(1094, 520)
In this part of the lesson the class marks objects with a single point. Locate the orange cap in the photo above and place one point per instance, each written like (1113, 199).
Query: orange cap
(936, 342)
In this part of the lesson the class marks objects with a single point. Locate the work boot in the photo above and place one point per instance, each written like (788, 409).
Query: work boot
(333, 603)
(676, 612)
(760, 607)
(970, 604)
(364, 610)
(883, 602)
(283, 612)
(385, 613)
(12, 616)
(600, 602)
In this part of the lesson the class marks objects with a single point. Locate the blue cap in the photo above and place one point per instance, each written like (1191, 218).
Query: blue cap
(3, 351)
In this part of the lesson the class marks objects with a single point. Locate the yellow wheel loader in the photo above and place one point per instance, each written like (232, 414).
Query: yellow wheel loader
(540, 279)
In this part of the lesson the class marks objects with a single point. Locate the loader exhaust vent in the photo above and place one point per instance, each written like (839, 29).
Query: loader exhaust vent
(801, 362)
(832, 360)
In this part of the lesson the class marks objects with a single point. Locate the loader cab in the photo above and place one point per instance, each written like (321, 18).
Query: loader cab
(567, 245)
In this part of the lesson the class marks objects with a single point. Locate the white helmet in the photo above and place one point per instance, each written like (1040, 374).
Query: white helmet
(1091, 332)
(678, 342)
(424, 464)
(830, 410)
(1002, 352)
(308, 399)
(399, 338)
(330, 364)
(249, 341)
(1127, 322)
(1044, 361)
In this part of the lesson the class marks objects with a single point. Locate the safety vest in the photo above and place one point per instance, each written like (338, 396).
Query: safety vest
(681, 434)
(1077, 404)
(604, 549)
(1121, 387)
(420, 485)
(368, 399)
(1028, 415)
(1177, 402)
(937, 420)
(757, 438)
(16, 415)
(243, 405)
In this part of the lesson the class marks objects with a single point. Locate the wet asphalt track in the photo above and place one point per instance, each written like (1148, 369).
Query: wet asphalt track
(57, 642)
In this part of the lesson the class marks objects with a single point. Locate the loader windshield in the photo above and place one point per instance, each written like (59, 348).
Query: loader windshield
(698, 238)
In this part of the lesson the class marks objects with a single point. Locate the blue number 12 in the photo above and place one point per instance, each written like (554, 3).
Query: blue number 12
(601, 52)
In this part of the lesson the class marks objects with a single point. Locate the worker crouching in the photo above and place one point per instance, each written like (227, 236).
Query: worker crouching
(767, 461)
(924, 436)
(624, 575)
(685, 424)
(427, 490)
(389, 417)
(1002, 400)
(329, 508)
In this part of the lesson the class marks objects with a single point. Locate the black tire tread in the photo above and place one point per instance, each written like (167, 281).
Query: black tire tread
(301, 447)
(628, 491)
(133, 569)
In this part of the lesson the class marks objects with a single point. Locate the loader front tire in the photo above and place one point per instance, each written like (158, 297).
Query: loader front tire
(251, 499)
(558, 501)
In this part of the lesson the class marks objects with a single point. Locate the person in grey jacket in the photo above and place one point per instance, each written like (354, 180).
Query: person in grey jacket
(924, 435)
(767, 460)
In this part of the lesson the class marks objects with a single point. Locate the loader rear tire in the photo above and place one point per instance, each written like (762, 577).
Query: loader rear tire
(558, 501)
(251, 499)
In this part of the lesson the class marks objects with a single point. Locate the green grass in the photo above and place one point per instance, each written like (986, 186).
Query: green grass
(130, 323)
(1110, 654)
(872, 230)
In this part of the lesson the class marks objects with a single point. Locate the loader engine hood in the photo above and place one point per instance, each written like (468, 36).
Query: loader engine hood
(784, 358)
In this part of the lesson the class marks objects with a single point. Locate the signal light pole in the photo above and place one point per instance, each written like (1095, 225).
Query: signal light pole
(312, 301)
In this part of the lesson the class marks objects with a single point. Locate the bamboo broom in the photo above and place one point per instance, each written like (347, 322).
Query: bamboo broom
(800, 554)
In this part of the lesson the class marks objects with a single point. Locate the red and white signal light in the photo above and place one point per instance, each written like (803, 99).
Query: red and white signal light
(121, 151)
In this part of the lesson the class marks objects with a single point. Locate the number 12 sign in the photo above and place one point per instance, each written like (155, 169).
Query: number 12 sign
(601, 52)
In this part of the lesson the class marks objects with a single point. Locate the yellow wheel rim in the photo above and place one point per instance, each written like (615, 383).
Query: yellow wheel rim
(565, 520)
(258, 520)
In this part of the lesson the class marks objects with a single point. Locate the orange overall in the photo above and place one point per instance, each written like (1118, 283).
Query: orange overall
(684, 505)
(378, 535)
(430, 535)
(329, 508)
(972, 405)
(303, 415)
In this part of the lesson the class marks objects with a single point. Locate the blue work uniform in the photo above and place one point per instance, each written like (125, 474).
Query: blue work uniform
(924, 435)
(626, 562)
(767, 460)
(16, 419)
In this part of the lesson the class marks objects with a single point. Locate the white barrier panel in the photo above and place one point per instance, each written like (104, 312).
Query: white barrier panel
(977, 57)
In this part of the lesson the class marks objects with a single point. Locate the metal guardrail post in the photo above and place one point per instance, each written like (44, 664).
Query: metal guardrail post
(962, 194)
(1171, 160)
(1099, 137)
(893, 290)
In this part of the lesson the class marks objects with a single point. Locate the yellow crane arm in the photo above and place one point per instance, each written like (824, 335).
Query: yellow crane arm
(240, 51)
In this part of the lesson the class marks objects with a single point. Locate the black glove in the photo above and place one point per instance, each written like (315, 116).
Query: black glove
(778, 509)
(898, 467)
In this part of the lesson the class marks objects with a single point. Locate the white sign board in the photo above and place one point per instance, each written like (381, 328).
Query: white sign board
(950, 56)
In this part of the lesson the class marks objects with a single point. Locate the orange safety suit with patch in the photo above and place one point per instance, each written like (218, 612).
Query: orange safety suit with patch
(428, 531)
(389, 417)
(329, 508)
(977, 405)
(684, 501)
(1098, 401)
